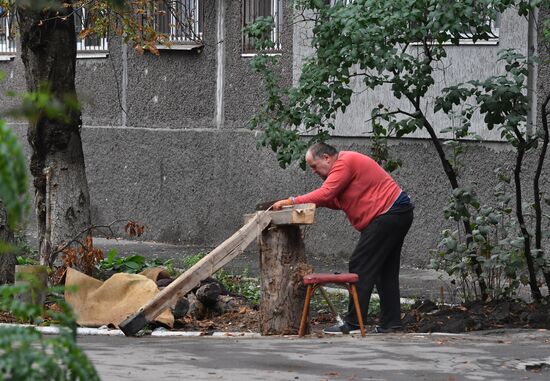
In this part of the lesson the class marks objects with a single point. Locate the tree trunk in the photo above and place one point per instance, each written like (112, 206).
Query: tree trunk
(536, 188)
(7, 259)
(48, 51)
(283, 264)
(520, 153)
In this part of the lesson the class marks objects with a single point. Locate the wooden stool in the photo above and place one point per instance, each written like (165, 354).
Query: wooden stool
(314, 281)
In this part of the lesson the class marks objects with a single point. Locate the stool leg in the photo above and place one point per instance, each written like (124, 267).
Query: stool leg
(305, 311)
(353, 292)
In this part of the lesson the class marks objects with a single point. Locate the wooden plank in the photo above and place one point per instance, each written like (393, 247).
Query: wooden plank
(300, 214)
(208, 265)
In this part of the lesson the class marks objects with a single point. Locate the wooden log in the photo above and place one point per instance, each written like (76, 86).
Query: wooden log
(208, 293)
(283, 264)
(208, 265)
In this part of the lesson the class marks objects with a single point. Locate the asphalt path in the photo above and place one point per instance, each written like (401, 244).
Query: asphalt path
(492, 355)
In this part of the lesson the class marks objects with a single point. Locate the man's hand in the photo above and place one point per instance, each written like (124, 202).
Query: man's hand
(279, 204)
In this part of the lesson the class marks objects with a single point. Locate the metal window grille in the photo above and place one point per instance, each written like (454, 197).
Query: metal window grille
(7, 35)
(180, 20)
(91, 43)
(253, 9)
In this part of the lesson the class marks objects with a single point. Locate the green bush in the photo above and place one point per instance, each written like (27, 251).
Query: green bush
(192, 260)
(133, 263)
(27, 354)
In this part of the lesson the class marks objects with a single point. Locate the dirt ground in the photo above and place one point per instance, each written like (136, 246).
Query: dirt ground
(423, 316)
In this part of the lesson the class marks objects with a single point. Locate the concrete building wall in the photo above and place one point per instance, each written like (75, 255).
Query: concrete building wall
(166, 144)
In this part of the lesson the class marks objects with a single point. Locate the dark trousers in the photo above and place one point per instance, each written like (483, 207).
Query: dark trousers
(376, 259)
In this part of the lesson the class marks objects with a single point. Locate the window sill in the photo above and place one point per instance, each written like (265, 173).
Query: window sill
(250, 55)
(7, 57)
(91, 55)
(181, 46)
(466, 42)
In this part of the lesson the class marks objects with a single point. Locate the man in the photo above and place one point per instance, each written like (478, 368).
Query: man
(380, 210)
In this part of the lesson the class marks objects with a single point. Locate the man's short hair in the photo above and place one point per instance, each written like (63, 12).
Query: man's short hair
(319, 149)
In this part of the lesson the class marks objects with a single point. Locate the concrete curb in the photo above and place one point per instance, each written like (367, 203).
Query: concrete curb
(163, 332)
(85, 331)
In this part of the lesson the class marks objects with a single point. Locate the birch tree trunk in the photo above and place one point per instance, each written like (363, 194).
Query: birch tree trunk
(283, 264)
(62, 201)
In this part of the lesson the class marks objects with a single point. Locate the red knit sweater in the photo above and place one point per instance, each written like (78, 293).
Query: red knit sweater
(357, 185)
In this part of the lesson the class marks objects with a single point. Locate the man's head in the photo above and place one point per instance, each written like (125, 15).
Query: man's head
(320, 157)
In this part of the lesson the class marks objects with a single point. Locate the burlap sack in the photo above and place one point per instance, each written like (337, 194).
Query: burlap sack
(98, 303)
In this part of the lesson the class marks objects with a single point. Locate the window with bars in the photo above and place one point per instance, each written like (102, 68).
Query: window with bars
(7, 35)
(180, 20)
(466, 38)
(90, 43)
(253, 9)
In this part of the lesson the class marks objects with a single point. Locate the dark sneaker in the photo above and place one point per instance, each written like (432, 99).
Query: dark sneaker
(395, 328)
(342, 329)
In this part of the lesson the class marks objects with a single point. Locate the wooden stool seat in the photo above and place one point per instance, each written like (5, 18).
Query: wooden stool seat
(323, 278)
(314, 281)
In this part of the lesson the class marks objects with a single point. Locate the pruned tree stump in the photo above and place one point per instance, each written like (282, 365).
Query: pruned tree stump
(283, 264)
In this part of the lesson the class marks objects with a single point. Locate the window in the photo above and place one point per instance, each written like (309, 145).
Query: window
(256, 8)
(181, 21)
(466, 38)
(90, 44)
(7, 35)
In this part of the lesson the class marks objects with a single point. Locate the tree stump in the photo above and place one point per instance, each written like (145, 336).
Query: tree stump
(283, 264)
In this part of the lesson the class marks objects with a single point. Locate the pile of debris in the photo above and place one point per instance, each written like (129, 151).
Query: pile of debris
(98, 303)
(209, 299)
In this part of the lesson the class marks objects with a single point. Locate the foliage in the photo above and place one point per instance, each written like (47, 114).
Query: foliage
(21, 260)
(27, 354)
(501, 245)
(132, 264)
(241, 284)
(13, 176)
(380, 133)
(496, 244)
(86, 257)
(192, 260)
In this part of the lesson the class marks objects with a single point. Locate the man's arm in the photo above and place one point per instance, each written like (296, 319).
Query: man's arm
(326, 196)
(337, 181)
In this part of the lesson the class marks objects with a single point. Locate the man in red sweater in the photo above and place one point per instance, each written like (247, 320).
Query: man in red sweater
(380, 210)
